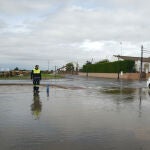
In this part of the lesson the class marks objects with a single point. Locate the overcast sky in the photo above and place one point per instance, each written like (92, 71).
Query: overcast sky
(61, 31)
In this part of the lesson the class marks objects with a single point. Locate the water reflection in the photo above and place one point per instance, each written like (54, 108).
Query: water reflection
(140, 102)
(127, 97)
(47, 90)
(36, 107)
(148, 92)
(102, 117)
(116, 90)
(120, 95)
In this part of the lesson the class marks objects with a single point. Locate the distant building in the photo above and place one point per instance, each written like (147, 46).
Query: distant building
(62, 68)
(145, 64)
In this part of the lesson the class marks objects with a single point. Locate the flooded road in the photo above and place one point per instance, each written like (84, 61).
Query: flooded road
(87, 114)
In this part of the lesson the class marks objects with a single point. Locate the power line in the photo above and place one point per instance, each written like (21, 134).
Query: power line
(146, 52)
(146, 49)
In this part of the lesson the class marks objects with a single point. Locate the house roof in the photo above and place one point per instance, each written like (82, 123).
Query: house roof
(63, 67)
(133, 58)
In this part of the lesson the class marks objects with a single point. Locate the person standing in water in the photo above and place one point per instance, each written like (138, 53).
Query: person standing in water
(36, 77)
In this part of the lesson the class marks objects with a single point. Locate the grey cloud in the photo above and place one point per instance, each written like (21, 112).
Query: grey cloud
(98, 25)
(20, 6)
(60, 36)
(27, 6)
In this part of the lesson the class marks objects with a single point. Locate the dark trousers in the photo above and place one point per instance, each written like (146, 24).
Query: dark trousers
(36, 83)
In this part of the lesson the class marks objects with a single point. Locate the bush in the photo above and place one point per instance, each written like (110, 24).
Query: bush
(110, 67)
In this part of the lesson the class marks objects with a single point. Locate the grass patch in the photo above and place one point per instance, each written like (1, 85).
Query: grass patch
(27, 77)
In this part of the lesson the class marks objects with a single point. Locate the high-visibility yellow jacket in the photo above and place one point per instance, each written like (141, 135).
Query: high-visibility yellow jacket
(36, 73)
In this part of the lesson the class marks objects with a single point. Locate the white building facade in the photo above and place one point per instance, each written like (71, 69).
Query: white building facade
(145, 62)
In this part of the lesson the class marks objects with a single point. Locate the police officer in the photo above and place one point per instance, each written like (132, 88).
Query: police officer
(36, 77)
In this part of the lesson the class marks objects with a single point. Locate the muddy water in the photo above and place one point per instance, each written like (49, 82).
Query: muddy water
(101, 115)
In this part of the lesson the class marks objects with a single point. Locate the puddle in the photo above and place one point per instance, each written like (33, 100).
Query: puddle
(104, 116)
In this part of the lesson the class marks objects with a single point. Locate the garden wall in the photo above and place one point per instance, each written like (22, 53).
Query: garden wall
(128, 76)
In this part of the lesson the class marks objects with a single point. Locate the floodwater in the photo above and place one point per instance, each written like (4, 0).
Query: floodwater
(85, 114)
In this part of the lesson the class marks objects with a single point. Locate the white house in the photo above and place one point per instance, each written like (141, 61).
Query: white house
(145, 62)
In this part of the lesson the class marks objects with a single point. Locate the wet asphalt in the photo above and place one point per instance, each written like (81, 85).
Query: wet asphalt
(77, 114)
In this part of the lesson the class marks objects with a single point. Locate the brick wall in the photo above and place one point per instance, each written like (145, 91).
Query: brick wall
(130, 76)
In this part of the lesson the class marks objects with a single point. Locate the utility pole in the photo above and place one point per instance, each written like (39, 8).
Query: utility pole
(55, 71)
(118, 68)
(87, 70)
(141, 62)
(121, 47)
(48, 66)
(77, 68)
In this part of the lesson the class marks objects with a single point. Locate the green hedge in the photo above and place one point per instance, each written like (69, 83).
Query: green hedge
(110, 67)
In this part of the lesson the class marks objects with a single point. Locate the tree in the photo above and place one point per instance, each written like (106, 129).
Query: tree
(16, 69)
(88, 62)
(103, 61)
(69, 67)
